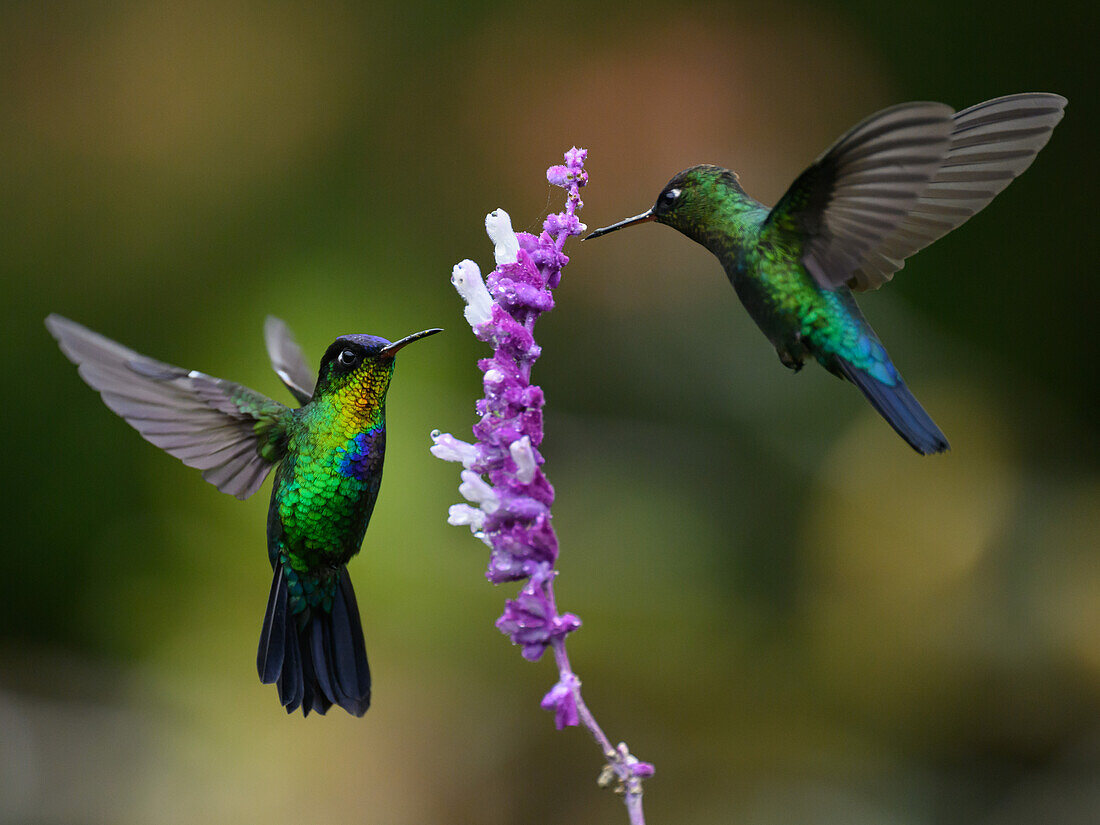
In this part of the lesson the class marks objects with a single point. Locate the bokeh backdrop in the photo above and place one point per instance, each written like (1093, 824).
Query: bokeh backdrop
(796, 618)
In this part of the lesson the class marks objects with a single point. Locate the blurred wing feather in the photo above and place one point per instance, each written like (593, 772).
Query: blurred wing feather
(287, 359)
(991, 144)
(231, 433)
(861, 189)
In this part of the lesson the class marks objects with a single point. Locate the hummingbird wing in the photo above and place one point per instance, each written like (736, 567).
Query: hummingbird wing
(861, 189)
(231, 433)
(287, 359)
(991, 144)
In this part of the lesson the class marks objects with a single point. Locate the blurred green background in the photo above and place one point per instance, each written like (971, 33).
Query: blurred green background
(790, 613)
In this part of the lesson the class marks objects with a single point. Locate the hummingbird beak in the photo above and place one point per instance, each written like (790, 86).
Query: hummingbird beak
(645, 217)
(391, 350)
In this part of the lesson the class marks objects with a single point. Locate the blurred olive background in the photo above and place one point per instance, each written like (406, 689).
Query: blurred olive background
(788, 611)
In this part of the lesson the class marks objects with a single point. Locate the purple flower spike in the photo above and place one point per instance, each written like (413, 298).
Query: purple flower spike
(509, 498)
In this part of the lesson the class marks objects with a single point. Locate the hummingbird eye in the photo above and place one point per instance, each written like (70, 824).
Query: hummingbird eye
(348, 358)
(671, 196)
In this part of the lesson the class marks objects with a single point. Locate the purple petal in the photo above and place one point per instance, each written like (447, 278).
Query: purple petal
(576, 157)
(563, 701)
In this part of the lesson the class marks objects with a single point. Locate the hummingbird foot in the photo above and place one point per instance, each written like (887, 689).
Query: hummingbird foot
(789, 360)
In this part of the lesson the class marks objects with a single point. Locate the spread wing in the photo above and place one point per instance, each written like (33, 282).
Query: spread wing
(287, 359)
(861, 189)
(991, 144)
(231, 433)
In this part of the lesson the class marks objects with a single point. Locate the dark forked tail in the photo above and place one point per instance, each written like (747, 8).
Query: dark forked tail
(316, 658)
(900, 409)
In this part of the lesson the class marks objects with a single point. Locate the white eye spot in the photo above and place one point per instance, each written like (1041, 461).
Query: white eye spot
(672, 194)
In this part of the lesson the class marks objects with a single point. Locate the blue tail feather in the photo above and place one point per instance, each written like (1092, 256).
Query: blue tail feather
(899, 407)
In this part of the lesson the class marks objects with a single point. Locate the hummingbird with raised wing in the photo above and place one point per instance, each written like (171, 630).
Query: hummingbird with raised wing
(889, 187)
(327, 455)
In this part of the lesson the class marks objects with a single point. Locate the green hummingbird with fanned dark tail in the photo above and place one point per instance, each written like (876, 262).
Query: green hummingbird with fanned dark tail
(328, 458)
(889, 187)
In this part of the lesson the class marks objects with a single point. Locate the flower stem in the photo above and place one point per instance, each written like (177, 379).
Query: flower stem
(619, 761)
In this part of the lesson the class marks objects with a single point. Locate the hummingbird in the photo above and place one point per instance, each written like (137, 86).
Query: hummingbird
(327, 455)
(889, 187)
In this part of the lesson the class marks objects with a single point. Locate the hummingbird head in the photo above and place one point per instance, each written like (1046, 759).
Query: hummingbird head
(689, 202)
(361, 366)
(693, 196)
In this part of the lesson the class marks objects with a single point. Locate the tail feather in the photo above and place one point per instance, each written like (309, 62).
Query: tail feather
(270, 657)
(900, 408)
(313, 696)
(319, 660)
(352, 668)
(291, 680)
(320, 643)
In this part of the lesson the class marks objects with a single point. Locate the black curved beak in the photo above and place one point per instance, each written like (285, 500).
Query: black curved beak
(392, 349)
(645, 217)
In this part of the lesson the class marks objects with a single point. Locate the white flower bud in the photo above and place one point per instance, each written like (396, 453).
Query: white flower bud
(466, 278)
(475, 489)
(449, 448)
(460, 514)
(498, 225)
(524, 456)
